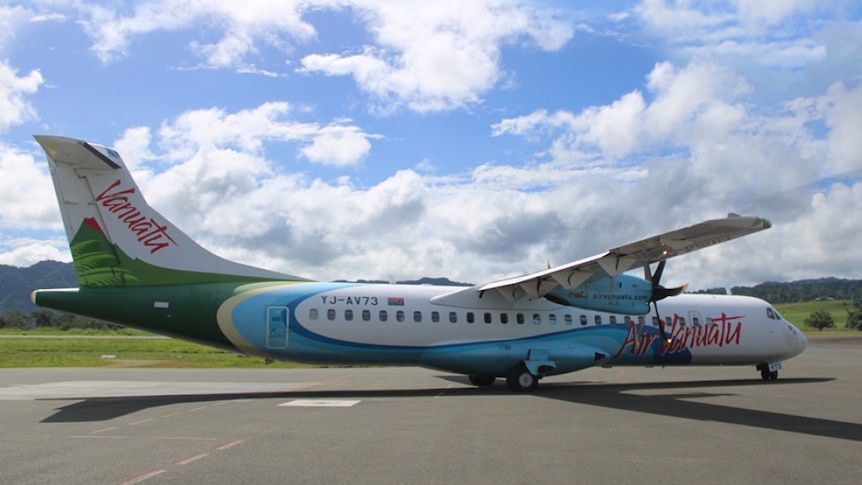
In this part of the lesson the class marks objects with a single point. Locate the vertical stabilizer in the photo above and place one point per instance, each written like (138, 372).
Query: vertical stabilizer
(116, 238)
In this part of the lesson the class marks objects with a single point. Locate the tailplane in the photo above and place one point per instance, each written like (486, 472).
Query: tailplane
(116, 238)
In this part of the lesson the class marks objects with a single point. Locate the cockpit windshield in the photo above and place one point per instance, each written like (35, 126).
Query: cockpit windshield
(772, 314)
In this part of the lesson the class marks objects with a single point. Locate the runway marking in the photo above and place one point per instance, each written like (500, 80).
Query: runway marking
(189, 459)
(91, 436)
(320, 403)
(227, 445)
(140, 478)
(102, 430)
(140, 421)
(197, 409)
(170, 415)
(182, 438)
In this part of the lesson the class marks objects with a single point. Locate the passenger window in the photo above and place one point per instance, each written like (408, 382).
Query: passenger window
(330, 314)
(668, 321)
(435, 317)
(627, 320)
(695, 321)
(399, 315)
(537, 319)
(417, 316)
(471, 318)
(583, 319)
(641, 320)
(520, 318)
(384, 315)
(348, 315)
(504, 318)
(313, 313)
(655, 321)
(366, 315)
(568, 319)
(598, 319)
(453, 317)
(487, 317)
(681, 321)
(612, 319)
(552, 319)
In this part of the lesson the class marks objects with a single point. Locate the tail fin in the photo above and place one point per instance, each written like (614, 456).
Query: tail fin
(116, 238)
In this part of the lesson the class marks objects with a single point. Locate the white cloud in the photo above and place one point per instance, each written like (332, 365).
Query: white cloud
(26, 194)
(773, 33)
(338, 143)
(11, 17)
(428, 56)
(243, 26)
(14, 108)
(433, 56)
(25, 252)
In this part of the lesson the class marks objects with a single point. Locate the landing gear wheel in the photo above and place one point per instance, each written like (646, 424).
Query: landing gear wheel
(482, 381)
(521, 380)
(768, 375)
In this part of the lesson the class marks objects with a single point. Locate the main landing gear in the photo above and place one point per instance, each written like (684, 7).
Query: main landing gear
(520, 379)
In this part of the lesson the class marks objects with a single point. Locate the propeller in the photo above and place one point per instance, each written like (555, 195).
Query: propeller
(659, 292)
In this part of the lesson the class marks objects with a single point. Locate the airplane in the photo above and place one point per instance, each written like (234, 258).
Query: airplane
(136, 269)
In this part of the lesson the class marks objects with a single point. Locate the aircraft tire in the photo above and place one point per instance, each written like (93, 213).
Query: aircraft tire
(521, 380)
(482, 381)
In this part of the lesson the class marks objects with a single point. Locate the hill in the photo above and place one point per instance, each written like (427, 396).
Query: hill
(16, 284)
(800, 291)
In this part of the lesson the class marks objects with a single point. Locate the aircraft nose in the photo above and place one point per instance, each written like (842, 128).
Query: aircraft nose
(801, 341)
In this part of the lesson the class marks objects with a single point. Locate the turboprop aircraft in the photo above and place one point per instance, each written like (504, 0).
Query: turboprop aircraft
(135, 268)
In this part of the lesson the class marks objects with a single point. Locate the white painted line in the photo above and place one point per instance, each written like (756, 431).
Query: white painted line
(182, 438)
(102, 430)
(320, 403)
(140, 478)
(93, 436)
(227, 445)
(189, 459)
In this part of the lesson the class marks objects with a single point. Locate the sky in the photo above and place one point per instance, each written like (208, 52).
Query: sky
(367, 139)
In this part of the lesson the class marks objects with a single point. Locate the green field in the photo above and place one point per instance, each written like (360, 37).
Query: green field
(130, 352)
(796, 313)
(117, 352)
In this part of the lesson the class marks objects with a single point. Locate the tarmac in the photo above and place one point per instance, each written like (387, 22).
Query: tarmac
(411, 425)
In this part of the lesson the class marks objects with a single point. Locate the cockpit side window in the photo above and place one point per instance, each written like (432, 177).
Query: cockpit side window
(772, 314)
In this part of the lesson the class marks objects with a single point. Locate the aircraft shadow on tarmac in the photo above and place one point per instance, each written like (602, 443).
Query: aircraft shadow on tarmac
(623, 397)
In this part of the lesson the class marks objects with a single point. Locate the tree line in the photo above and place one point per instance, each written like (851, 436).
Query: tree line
(15, 319)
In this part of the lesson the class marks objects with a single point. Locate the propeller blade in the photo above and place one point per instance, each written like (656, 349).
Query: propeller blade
(656, 278)
(661, 324)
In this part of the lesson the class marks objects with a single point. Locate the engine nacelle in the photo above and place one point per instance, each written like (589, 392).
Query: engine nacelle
(630, 295)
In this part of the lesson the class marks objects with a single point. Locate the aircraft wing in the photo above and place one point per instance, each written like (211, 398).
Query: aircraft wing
(617, 261)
